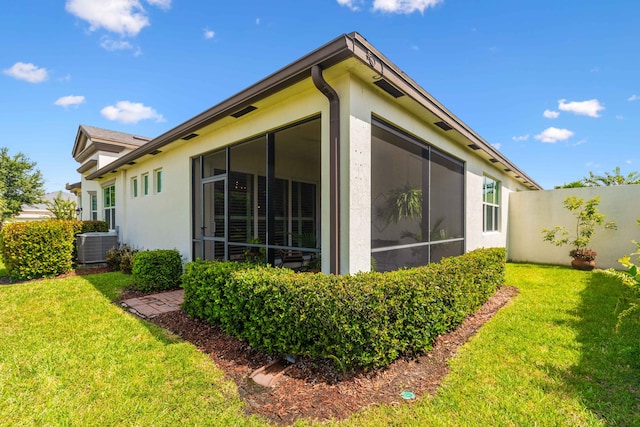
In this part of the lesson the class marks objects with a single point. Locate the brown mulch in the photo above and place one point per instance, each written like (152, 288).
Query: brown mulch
(315, 389)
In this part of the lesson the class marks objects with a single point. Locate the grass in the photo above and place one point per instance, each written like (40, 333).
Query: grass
(70, 357)
(551, 357)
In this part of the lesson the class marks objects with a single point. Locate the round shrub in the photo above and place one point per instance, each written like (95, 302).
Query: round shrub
(157, 270)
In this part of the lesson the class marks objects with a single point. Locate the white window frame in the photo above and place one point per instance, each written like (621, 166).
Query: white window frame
(134, 187)
(145, 184)
(109, 206)
(491, 204)
(93, 206)
(157, 181)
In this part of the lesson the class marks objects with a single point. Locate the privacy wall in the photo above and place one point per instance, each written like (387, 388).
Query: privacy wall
(531, 211)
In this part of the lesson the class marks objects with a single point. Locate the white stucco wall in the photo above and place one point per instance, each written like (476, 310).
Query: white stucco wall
(164, 220)
(532, 211)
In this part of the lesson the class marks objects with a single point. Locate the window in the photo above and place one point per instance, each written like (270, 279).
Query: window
(158, 181)
(417, 200)
(134, 187)
(145, 184)
(109, 200)
(490, 204)
(93, 199)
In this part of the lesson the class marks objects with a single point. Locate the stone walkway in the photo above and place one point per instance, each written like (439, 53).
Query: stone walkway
(152, 305)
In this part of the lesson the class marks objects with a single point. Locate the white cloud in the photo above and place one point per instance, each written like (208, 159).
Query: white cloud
(497, 145)
(125, 17)
(257, 21)
(633, 97)
(162, 4)
(208, 34)
(351, 4)
(520, 138)
(589, 108)
(66, 101)
(628, 162)
(110, 44)
(552, 135)
(550, 114)
(27, 72)
(130, 112)
(402, 6)
(619, 117)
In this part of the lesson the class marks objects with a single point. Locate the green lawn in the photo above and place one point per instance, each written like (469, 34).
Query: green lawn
(551, 357)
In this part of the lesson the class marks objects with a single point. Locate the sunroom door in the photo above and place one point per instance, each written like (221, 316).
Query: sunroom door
(214, 221)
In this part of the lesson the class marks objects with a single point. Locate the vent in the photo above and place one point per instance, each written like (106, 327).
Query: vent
(474, 146)
(444, 126)
(131, 163)
(244, 111)
(389, 88)
(508, 170)
(190, 136)
(154, 152)
(492, 160)
(141, 138)
(93, 247)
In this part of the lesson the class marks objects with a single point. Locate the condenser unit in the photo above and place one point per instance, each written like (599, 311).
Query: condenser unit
(93, 247)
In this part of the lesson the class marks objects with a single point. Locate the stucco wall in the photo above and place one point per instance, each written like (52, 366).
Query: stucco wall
(530, 212)
(164, 220)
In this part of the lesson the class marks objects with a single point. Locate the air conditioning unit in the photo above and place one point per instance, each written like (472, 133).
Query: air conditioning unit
(93, 247)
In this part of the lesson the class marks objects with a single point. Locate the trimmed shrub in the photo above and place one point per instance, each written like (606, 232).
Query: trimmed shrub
(38, 249)
(157, 270)
(360, 321)
(94, 226)
(121, 258)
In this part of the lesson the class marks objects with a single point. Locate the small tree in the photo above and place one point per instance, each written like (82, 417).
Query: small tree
(62, 208)
(21, 183)
(587, 219)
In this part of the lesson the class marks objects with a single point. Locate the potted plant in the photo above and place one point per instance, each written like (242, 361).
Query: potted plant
(587, 219)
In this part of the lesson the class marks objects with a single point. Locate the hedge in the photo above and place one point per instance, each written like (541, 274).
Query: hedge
(364, 320)
(39, 248)
(157, 270)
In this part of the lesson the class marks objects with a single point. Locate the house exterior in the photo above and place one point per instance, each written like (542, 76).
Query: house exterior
(339, 155)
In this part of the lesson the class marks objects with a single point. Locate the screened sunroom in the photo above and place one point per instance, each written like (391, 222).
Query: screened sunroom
(259, 197)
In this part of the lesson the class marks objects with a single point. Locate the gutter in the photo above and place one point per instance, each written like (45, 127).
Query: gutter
(334, 166)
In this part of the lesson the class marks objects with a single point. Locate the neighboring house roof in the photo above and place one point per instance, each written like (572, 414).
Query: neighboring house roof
(366, 62)
(40, 210)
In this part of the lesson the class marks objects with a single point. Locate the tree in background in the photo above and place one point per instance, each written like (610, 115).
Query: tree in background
(606, 180)
(62, 208)
(20, 183)
(609, 179)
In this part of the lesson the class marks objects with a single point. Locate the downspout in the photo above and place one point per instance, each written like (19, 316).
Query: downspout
(334, 166)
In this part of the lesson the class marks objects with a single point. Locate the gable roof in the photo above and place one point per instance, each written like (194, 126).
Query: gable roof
(353, 46)
(90, 139)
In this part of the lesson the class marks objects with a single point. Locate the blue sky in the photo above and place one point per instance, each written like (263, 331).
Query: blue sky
(554, 85)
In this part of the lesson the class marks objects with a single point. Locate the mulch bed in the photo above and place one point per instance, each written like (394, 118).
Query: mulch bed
(315, 389)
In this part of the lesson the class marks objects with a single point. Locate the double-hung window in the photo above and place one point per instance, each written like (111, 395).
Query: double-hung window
(109, 199)
(490, 204)
(93, 200)
(134, 187)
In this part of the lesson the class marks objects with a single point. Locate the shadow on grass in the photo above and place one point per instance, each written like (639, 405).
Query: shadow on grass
(111, 285)
(607, 377)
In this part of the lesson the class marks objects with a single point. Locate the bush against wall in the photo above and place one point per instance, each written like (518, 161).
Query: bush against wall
(91, 226)
(157, 270)
(39, 248)
(364, 320)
